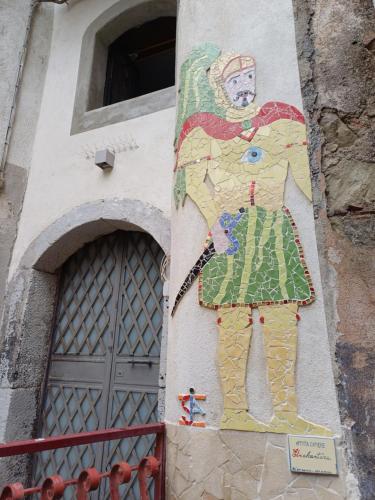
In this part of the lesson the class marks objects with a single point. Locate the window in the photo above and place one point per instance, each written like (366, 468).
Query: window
(141, 61)
(127, 64)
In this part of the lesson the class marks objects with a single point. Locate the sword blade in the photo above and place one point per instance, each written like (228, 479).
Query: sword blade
(206, 255)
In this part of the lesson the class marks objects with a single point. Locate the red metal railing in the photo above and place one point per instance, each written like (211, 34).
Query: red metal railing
(89, 479)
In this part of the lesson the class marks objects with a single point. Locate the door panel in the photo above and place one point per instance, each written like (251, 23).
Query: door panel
(69, 409)
(135, 369)
(141, 295)
(105, 353)
(131, 408)
(87, 300)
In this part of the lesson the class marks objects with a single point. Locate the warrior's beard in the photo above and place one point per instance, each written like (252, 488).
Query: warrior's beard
(244, 98)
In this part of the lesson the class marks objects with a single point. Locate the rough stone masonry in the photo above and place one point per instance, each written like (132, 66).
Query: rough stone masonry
(336, 46)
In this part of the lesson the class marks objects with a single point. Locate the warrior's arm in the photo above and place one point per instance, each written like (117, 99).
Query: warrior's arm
(296, 150)
(199, 192)
(192, 166)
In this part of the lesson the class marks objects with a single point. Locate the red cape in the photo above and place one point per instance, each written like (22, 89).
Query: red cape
(218, 128)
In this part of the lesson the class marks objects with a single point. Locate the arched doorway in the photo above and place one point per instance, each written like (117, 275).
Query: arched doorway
(105, 352)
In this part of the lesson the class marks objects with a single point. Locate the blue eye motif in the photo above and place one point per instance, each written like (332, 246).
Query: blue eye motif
(252, 155)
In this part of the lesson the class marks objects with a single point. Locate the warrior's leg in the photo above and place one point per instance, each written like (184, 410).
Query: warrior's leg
(234, 343)
(280, 338)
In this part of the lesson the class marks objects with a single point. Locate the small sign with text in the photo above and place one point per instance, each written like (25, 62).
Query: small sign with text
(313, 455)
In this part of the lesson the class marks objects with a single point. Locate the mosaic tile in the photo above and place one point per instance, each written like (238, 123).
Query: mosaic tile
(252, 257)
(189, 403)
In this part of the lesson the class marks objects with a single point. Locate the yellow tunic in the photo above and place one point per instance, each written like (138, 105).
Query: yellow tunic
(241, 184)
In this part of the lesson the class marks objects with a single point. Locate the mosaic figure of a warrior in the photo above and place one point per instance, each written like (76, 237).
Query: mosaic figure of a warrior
(232, 160)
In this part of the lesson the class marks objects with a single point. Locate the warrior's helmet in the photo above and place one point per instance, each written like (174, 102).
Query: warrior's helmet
(233, 78)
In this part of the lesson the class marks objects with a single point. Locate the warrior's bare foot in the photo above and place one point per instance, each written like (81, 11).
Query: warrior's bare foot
(241, 420)
(291, 423)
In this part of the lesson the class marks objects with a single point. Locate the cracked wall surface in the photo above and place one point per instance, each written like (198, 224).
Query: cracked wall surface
(229, 465)
(336, 49)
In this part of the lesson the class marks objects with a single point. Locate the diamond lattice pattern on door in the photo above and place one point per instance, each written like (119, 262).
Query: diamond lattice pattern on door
(105, 353)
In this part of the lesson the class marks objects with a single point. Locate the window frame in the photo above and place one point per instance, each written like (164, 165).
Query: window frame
(121, 17)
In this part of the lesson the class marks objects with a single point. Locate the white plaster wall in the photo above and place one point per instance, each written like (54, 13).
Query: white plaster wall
(264, 29)
(63, 174)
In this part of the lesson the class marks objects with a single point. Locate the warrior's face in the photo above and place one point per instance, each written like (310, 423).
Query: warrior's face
(240, 87)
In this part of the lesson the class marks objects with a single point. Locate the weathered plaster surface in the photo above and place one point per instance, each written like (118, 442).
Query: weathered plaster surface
(32, 86)
(336, 42)
(25, 332)
(13, 17)
(10, 203)
(5, 396)
(229, 465)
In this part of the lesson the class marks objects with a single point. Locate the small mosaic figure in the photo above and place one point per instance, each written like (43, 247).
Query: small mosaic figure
(191, 407)
(232, 160)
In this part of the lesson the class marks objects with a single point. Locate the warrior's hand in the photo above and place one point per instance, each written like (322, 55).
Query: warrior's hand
(219, 237)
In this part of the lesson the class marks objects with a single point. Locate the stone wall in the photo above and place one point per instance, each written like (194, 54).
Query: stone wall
(230, 465)
(14, 18)
(336, 40)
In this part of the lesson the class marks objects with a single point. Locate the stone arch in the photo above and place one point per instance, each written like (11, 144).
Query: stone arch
(30, 302)
(90, 221)
(108, 26)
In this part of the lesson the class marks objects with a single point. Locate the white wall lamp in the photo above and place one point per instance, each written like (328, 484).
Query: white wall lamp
(104, 159)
